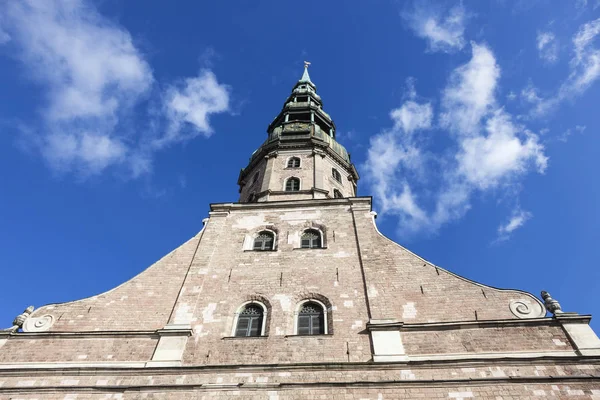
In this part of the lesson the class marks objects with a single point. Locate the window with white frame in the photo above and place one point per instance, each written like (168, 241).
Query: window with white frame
(293, 162)
(311, 319)
(292, 185)
(250, 320)
(311, 239)
(265, 240)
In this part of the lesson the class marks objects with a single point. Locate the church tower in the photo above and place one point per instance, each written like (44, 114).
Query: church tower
(293, 293)
(301, 158)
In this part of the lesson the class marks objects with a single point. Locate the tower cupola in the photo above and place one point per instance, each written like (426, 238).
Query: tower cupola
(300, 158)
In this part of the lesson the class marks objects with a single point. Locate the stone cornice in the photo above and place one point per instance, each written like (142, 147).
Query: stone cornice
(437, 326)
(446, 361)
(228, 207)
(425, 383)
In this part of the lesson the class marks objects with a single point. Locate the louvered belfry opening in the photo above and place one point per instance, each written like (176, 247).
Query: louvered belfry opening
(250, 321)
(311, 320)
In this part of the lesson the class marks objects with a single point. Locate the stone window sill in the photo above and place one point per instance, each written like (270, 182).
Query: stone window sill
(261, 251)
(324, 335)
(314, 248)
(244, 337)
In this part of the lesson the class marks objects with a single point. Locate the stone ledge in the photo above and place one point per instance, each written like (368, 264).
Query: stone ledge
(141, 367)
(227, 207)
(427, 383)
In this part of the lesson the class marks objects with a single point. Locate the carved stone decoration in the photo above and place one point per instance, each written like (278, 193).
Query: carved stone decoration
(38, 324)
(296, 127)
(551, 304)
(20, 319)
(526, 308)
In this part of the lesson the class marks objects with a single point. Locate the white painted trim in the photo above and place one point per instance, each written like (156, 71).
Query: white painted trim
(239, 310)
(299, 307)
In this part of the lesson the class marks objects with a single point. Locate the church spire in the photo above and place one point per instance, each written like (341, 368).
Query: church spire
(305, 77)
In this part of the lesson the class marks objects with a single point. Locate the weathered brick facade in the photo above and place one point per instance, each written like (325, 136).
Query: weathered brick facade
(397, 326)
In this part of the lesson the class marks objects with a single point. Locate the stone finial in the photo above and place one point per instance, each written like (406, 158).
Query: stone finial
(551, 304)
(20, 319)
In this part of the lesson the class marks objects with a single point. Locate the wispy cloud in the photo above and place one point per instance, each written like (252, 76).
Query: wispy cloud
(547, 46)
(584, 68)
(443, 31)
(93, 76)
(189, 105)
(569, 132)
(517, 219)
(489, 150)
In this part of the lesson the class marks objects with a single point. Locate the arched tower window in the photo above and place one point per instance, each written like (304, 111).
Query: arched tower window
(292, 185)
(336, 175)
(250, 320)
(311, 239)
(264, 241)
(311, 319)
(293, 162)
(337, 194)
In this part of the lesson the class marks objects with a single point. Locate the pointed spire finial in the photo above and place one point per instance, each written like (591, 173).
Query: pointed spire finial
(305, 76)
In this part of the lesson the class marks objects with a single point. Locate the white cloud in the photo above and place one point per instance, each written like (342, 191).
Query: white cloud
(530, 94)
(443, 31)
(91, 151)
(93, 76)
(517, 220)
(412, 116)
(190, 105)
(584, 68)
(90, 66)
(566, 134)
(490, 150)
(547, 46)
(470, 93)
(499, 152)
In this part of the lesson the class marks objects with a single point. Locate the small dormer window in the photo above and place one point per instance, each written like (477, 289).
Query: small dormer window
(336, 175)
(293, 162)
(337, 194)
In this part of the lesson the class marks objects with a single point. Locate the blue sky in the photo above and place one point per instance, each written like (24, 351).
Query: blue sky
(474, 126)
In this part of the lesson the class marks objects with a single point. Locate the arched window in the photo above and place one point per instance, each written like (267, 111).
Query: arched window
(255, 178)
(311, 239)
(264, 241)
(293, 162)
(336, 175)
(337, 194)
(250, 320)
(292, 185)
(311, 319)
